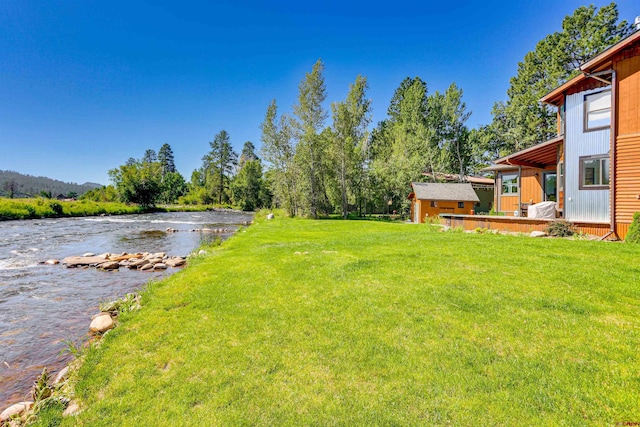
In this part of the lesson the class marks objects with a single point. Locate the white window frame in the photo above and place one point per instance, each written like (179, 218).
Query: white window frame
(594, 105)
(513, 185)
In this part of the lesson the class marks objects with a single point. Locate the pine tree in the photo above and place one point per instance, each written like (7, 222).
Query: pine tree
(219, 164)
(165, 157)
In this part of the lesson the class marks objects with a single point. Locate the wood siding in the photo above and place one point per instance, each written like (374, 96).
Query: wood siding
(508, 204)
(443, 206)
(627, 175)
(628, 96)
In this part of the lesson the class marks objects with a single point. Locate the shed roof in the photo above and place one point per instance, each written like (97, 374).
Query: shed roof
(461, 192)
(538, 156)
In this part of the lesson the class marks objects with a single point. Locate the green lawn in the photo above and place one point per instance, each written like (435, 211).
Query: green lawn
(300, 322)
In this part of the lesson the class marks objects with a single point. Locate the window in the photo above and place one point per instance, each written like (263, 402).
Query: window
(561, 176)
(510, 183)
(460, 205)
(434, 204)
(594, 172)
(597, 110)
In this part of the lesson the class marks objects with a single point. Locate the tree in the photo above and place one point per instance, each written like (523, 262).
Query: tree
(11, 187)
(138, 183)
(165, 157)
(219, 165)
(247, 187)
(403, 144)
(448, 114)
(349, 139)
(522, 120)
(172, 187)
(150, 156)
(278, 151)
(248, 153)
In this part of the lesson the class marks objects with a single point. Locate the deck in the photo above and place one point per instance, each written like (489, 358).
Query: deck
(517, 224)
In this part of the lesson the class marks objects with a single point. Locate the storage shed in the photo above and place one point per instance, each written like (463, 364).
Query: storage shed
(431, 199)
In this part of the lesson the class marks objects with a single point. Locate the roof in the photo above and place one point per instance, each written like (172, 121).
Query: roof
(539, 156)
(460, 192)
(597, 63)
(498, 168)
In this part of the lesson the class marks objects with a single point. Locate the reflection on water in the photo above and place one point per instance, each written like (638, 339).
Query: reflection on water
(41, 306)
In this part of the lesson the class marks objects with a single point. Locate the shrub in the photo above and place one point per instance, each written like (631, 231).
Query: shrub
(633, 235)
(55, 207)
(560, 228)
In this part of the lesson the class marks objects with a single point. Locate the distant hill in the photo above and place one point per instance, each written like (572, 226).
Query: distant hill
(26, 185)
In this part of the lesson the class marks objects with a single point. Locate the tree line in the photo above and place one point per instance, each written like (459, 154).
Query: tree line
(321, 161)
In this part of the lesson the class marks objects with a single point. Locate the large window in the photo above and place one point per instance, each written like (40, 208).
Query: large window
(510, 183)
(594, 172)
(597, 110)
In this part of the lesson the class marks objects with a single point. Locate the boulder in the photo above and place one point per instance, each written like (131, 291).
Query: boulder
(89, 254)
(138, 263)
(175, 261)
(15, 410)
(52, 262)
(537, 234)
(270, 216)
(154, 260)
(160, 266)
(202, 252)
(79, 261)
(101, 323)
(160, 255)
(109, 265)
(147, 267)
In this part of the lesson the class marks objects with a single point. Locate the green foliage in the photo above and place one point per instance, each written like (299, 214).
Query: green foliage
(139, 182)
(633, 235)
(165, 157)
(103, 194)
(172, 187)
(41, 387)
(248, 189)
(560, 228)
(522, 120)
(40, 208)
(217, 168)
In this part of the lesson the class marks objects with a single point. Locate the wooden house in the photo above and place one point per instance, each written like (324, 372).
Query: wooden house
(429, 199)
(592, 168)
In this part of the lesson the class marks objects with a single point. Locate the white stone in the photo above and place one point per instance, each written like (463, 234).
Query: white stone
(52, 262)
(160, 266)
(202, 252)
(147, 267)
(102, 323)
(270, 216)
(537, 234)
(72, 409)
(175, 262)
(16, 409)
(62, 375)
(89, 254)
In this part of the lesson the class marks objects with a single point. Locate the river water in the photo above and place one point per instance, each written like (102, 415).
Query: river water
(43, 306)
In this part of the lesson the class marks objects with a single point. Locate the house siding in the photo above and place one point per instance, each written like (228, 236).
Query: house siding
(582, 205)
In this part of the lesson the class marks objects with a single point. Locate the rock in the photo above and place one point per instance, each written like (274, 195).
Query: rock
(78, 261)
(124, 257)
(160, 266)
(202, 252)
(52, 262)
(109, 265)
(147, 267)
(138, 263)
(175, 261)
(62, 375)
(171, 230)
(71, 410)
(15, 410)
(270, 216)
(101, 323)
(89, 254)
(154, 260)
(160, 255)
(537, 234)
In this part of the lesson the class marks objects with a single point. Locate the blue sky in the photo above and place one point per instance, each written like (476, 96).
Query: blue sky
(84, 85)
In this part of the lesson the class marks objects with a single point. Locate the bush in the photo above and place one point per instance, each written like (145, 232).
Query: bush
(633, 235)
(560, 228)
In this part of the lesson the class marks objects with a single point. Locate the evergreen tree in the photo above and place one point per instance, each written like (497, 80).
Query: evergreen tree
(247, 187)
(248, 153)
(219, 165)
(522, 120)
(150, 156)
(165, 157)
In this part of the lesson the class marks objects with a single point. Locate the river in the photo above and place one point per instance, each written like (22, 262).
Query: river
(43, 306)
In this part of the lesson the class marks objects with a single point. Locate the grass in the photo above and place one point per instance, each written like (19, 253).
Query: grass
(299, 322)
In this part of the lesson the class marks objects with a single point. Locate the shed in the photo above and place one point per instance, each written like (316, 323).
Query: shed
(431, 199)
